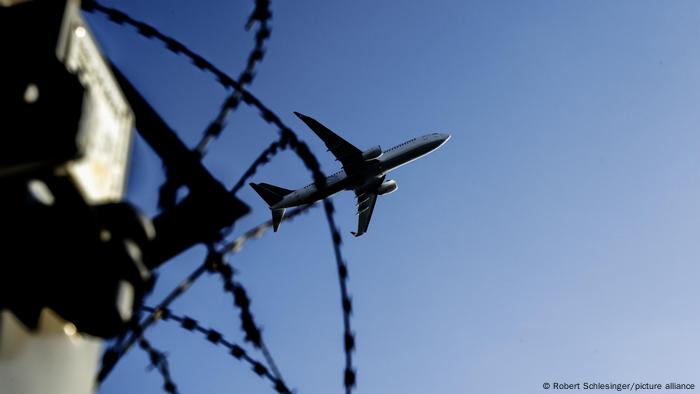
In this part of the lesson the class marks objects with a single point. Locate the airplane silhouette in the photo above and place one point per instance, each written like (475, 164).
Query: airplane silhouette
(363, 172)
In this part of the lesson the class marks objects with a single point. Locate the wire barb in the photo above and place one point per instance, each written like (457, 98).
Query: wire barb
(159, 361)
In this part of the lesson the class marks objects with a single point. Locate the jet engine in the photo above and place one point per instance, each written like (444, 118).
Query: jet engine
(372, 153)
(387, 187)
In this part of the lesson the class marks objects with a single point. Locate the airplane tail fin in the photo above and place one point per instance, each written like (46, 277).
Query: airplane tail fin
(272, 195)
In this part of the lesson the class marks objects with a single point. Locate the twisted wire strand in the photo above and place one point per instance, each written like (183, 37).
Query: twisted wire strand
(261, 160)
(112, 355)
(262, 15)
(216, 338)
(216, 264)
(350, 374)
(159, 362)
(237, 244)
(212, 264)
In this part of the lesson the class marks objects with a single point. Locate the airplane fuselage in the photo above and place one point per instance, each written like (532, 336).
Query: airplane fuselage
(371, 176)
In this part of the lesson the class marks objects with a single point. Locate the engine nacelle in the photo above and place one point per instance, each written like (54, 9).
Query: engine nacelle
(387, 187)
(372, 153)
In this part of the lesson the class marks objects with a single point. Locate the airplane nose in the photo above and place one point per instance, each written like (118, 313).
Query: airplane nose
(442, 138)
(438, 140)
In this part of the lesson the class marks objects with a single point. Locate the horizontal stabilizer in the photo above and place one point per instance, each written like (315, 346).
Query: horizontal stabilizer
(278, 190)
(270, 193)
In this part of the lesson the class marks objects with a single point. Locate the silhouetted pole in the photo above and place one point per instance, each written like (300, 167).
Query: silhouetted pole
(82, 258)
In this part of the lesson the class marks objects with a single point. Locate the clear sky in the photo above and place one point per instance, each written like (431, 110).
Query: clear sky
(553, 238)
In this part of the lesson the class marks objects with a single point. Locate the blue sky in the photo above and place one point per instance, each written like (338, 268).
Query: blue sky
(553, 238)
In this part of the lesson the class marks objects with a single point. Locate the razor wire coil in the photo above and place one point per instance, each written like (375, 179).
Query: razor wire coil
(287, 139)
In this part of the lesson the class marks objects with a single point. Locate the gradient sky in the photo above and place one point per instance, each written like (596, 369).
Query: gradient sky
(553, 238)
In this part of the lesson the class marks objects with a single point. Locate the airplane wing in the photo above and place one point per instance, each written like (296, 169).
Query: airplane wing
(365, 207)
(346, 153)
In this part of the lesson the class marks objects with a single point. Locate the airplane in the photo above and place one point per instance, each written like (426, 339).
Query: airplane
(363, 172)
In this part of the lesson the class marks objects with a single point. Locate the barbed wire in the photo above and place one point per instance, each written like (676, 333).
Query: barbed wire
(160, 362)
(287, 137)
(302, 150)
(237, 244)
(350, 375)
(216, 338)
(148, 31)
(112, 355)
(262, 15)
(261, 160)
(215, 263)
